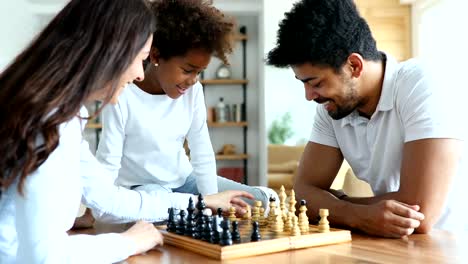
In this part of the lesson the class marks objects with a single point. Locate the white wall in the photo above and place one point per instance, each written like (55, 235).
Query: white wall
(440, 42)
(283, 93)
(20, 22)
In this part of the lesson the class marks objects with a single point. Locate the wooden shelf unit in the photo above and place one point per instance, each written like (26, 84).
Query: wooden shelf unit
(94, 125)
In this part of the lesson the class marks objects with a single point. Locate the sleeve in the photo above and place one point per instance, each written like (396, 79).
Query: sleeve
(110, 148)
(424, 109)
(48, 208)
(201, 151)
(322, 130)
(116, 204)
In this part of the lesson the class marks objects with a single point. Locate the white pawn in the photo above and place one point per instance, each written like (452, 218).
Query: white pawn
(295, 231)
(232, 214)
(324, 225)
(303, 219)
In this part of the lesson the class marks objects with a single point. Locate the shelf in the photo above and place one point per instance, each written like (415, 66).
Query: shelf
(227, 124)
(94, 125)
(232, 157)
(223, 81)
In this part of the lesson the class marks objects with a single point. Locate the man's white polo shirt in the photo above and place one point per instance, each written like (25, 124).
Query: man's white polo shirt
(410, 108)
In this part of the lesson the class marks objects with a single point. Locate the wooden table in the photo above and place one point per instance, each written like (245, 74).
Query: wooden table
(436, 247)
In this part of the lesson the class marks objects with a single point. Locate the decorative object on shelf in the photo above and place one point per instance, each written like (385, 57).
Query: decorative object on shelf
(227, 149)
(210, 114)
(280, 129)
(223, 72)
(221, 115)
(236, 113)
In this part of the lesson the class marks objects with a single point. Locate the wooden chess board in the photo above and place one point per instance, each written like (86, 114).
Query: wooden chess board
(269, 243)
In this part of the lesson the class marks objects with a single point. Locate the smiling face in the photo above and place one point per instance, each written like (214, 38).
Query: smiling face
(337, 91)
(175, 75)
(133, 72)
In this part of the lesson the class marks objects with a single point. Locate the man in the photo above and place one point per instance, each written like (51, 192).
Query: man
(385, 118)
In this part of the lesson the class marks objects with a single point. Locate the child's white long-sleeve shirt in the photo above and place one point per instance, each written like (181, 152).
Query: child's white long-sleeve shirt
(143, 135)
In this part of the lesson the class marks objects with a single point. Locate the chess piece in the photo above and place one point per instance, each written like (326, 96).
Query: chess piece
(219, 219)
(207, 231)
(273, 212)
(255, 232)
(214, 228)
(262, 220)
(295, 231)
(235, 234)
(226, 238)
(288, 224)
(190, 226)
(324, 225)
(232, 214)
(199, 227)
(181, 224)
(248, 213)
(200, 206)
(292, 202)
(256, 211)
(303, 219)
(171, 223)
(276, 223)
(282, 197)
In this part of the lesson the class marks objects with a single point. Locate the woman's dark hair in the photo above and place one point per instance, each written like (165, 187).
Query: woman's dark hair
(85, 48)
(184, 25)
(322, 32)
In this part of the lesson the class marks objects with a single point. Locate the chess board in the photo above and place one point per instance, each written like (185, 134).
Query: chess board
(269, 243)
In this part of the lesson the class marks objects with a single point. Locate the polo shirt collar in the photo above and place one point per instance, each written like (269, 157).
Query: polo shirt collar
(386, 97)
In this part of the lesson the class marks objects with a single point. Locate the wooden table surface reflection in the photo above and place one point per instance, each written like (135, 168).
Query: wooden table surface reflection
(436, 247)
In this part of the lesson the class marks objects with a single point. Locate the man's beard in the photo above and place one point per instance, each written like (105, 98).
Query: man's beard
(350, 103)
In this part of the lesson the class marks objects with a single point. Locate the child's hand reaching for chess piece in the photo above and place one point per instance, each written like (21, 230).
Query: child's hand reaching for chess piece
(227, 199)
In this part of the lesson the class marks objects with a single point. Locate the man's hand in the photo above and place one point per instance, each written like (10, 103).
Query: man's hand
(389, 218)
(227, 199)
(144, 235)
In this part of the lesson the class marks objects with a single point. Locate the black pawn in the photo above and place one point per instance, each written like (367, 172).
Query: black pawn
(214, 227)
(236, 238)
(171, 224)
(226, 239)
(181, 225)
(207, 232)
(272, 199)
(255, 232)
(191, 207)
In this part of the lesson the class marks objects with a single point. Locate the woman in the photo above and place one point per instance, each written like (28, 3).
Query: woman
(143, 135)
(89, 51)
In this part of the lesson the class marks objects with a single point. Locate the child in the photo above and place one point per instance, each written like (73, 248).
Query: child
(143, 135)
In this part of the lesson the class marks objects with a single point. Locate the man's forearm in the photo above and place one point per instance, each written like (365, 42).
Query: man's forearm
(372, 200)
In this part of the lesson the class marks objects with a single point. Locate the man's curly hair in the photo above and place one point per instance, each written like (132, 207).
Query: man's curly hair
(322, 32)
(183, 25)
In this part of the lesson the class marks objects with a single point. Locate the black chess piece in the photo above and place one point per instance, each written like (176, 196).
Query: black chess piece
(171, 224)
(236, 238)
(190, 227)
(200, 207)
(214, 227)
(226, 239)
(199, 227)
(219, 218)
(191, 207)
(181, 224)
(255, 232)
(207, 232)
(272, 199)
(303, 202)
